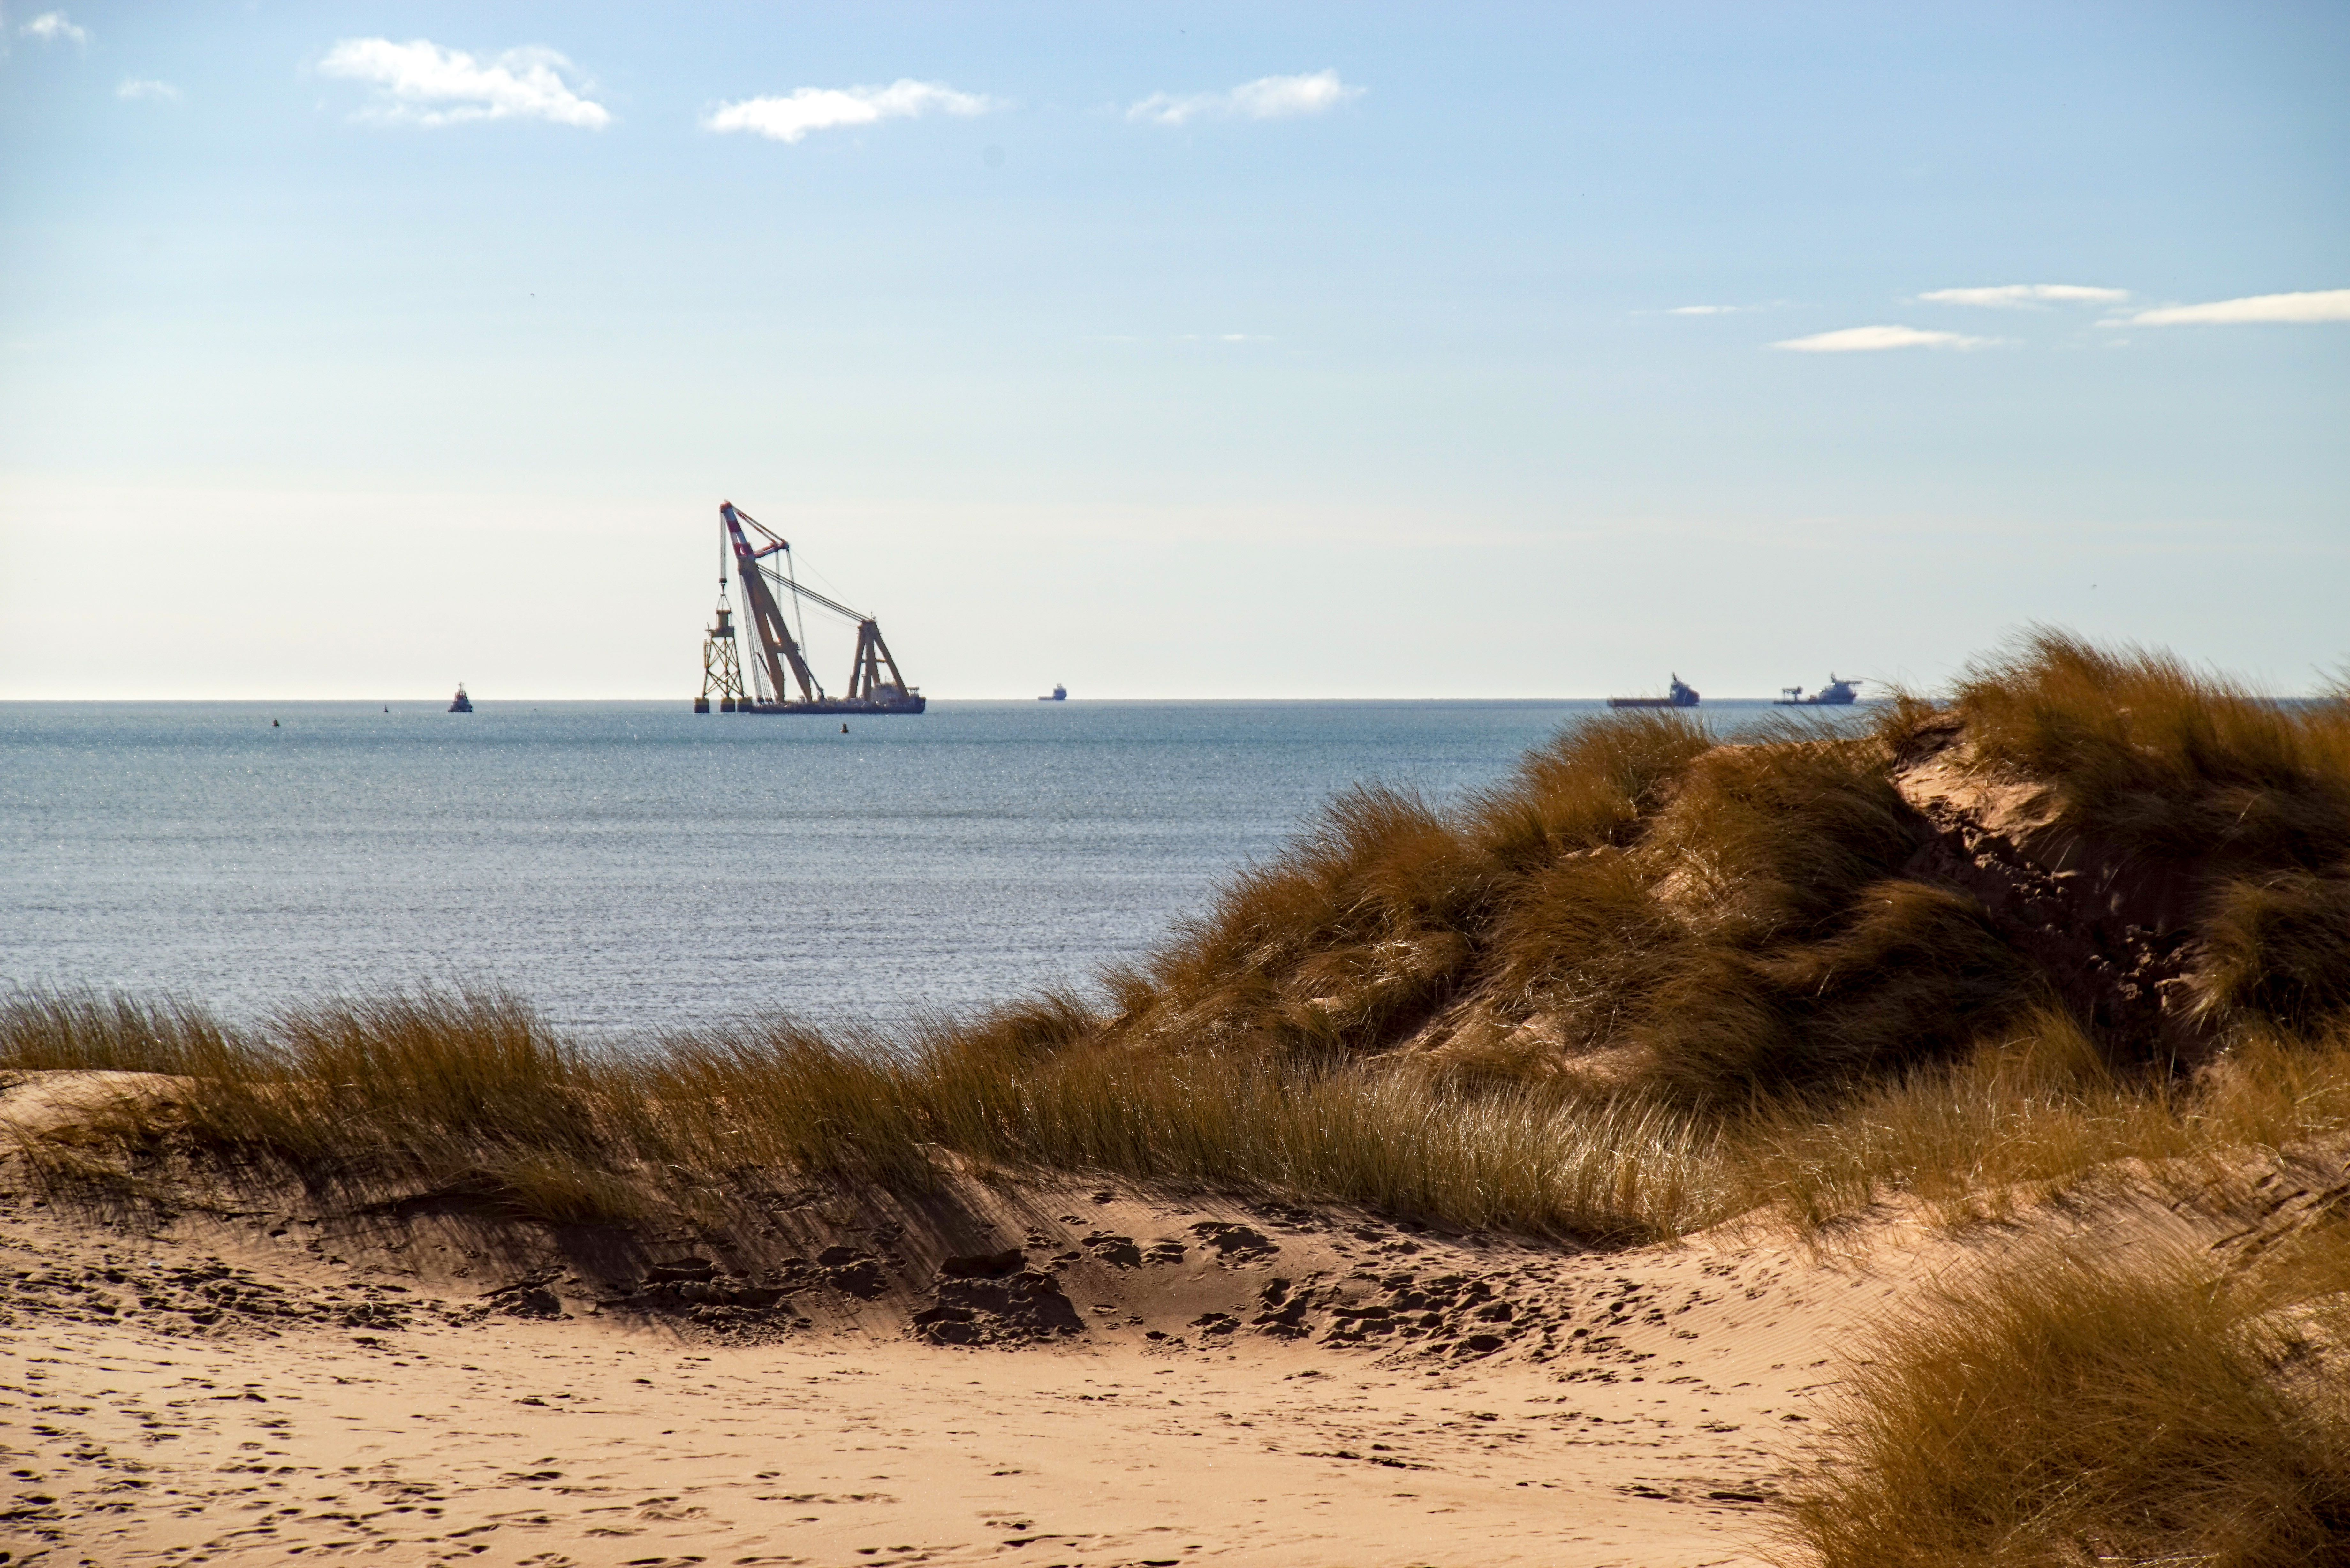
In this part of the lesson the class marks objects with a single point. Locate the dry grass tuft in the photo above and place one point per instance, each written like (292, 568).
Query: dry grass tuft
(56, 1031)
(1732, 917)
(1353, 933)
(1588, 788)
(1530, 1160)
(2068, 1409)
(2140, 750)
(1720, 925)
(1915, 975)
(472, 1099)
(2277, 947)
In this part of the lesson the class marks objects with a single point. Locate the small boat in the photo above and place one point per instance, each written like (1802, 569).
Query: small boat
(461, 703)
(1683, 695)
(1837, 693)
(1060, 694)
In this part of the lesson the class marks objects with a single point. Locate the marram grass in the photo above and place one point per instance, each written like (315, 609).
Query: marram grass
(474, 1093)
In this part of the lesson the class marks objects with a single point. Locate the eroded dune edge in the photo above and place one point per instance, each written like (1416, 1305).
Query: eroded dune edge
(1919, 1147)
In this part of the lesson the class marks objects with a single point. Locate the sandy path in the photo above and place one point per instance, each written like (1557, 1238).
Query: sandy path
(535, 1444)
(1164, 1379)
(580, 1441)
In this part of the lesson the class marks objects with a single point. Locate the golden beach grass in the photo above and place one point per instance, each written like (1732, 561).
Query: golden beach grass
(2142, 1408)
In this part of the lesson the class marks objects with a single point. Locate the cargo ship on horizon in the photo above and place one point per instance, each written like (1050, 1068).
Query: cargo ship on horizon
(1681, 695)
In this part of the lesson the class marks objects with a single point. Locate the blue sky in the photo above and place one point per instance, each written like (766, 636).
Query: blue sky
(1200, 350)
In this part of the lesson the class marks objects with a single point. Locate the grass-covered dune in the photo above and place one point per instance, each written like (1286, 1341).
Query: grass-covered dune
(2082, 928)
(2160, 853)
(1650, 982)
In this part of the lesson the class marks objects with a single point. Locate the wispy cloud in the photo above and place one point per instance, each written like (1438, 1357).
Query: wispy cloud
(1704, 310)
(161, 91)
(1873, 340)
(829, 109)
(52, 28)
(424, 84)
(1267, 97)
(2323, 304)
(1181, 337)
(2020, 296)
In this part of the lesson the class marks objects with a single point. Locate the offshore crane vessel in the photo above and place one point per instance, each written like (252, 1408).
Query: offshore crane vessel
(875, 684)
(1837, 693)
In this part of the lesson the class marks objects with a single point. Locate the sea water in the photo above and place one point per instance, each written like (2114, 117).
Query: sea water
(628, 867)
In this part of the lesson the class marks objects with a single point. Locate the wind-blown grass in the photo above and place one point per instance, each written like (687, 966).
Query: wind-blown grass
(1728, 922)
(2181, 768)
(2034, 1115)
(2140, 749)
(2066, 1409)
(472, 1095)
(1716, 923)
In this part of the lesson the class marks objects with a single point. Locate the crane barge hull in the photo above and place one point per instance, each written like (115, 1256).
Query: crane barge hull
(837, 705)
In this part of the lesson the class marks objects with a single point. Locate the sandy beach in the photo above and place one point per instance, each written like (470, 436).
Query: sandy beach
(1171, 1383)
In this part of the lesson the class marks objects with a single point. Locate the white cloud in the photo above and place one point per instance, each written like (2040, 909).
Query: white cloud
(828, 109)
(1267, 97)
(2014, 295)
(50, 27)
(164, 91)
(1871, 339)
(425, 84)
(1703, 310)
(2324, 304)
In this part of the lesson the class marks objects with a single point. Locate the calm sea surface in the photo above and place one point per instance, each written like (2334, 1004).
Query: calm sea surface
(630, 866)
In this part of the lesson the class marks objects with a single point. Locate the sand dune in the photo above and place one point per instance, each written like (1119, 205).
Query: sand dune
(1147, 1381)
